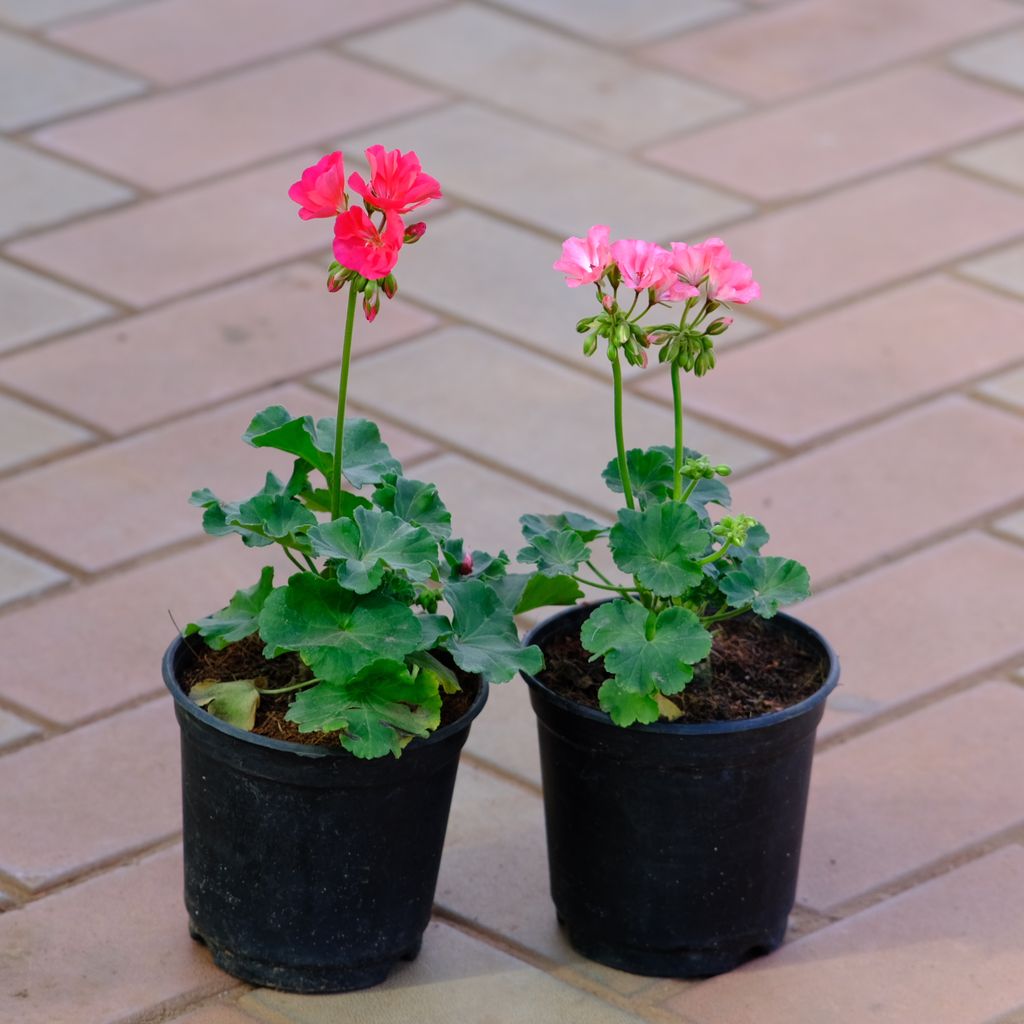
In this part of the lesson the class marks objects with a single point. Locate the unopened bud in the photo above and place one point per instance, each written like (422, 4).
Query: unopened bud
(414, 232)
(590, 344)
(584, 325)
(389, 286)
(371, 301)
(723, 470)
(335, 284)
(607, 301)
(466, 566)
(719, 326)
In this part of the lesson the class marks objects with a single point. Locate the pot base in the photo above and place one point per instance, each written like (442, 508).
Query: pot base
(300, 980)
(672, 963)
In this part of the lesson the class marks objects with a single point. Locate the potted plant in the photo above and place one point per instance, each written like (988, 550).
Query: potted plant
(322, 715)
(677, 717)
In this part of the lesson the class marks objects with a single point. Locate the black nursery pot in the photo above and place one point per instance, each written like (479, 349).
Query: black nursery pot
(308, 869)
(674, 848)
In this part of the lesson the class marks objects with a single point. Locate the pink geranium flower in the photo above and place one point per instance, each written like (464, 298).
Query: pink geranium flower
(643, 264)
(360, 246)
(584, 260)
(732, 282)
(320, 192)
(397, 183)
(693, 262)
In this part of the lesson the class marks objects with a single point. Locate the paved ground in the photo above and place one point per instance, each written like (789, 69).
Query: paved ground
(156, 287)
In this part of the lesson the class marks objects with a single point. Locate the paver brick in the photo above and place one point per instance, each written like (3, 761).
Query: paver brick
(865, 829)
(110, 949)
(39, 83)
(455, 977)
(1002, 159)
(1007, 387)
(21, 576)
(872, 493)
(999, 58)
(506, 737)
(13, 730)
(946, 952)
(868, 358)
(836, 137)
(1013, 525)
(907, 628)
(824, 250)
(233, 122)
(106, 790)
(35, 307)
(800, 47)
(496, 161)
(113, 632)
(37, 191)
(544, 76)
(216, 1013)
(27, 433)
(174, 41)
(1004, 269)
(410, 381)
(34, 13)
(212, 347)
(168, 246)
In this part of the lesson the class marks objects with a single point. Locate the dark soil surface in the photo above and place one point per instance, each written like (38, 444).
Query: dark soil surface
(244, 660)
(755, 668)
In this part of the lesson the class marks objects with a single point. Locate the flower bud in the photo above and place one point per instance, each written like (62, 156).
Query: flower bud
(723, 470)
(584, 325)
(466, 565)
(389, 286)
(414, 232)
(608, 302)
(590, 344)
(719, 326)
(371, 301)
(334, 284)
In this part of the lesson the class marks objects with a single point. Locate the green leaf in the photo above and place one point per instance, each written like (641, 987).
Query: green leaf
(708, 492)
(416, 503)
(366, 459)
(371, 543)
(555, 554)
(272, 515)
(645, 651)
(627, 706)
(239, 619)
(650, 473)
(434, 628)
(765, 583)
(234, 702)
(658, 546)
(484, 637)
(757, 537)
(586, 527)
(377, 711)
(275, 427)
(485, 566)
(336, 632)
(522, 592)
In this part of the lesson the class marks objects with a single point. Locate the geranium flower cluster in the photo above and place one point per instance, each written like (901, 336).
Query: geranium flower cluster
(367, 239)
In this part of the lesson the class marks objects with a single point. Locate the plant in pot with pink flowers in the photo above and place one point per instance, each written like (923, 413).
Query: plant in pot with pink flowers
(677, 716)
(323, 709)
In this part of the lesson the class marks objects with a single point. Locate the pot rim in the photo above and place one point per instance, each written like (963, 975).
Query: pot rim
(205, 719)
(687, 728)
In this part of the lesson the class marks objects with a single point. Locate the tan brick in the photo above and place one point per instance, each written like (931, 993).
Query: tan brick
(826, 249)
(172, 41)
(800, 47)
(563, 405)
(879, 811)
(544, 76)
(828, 372)
(962, 618)
(101, 952)
(496, 161)
(212, 347)
(1003, 269)
(14, 729)
(106, 790)
(29, 433)
(21, 576)
(1007, 387)
(1002, 159)
(1013, 525)
(823, 140)
(947, 952)
(216, 1013)
(871, 493)
(233, 122)
(41, 12)
(999, 59)
(165, 247)
(506, 736)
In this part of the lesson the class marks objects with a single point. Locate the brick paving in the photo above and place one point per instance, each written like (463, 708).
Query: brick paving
(865, 156)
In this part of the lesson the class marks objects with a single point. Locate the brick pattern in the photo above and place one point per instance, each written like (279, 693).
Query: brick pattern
(157, 288)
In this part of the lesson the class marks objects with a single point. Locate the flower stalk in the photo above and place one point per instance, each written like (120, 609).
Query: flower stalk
(339, 430)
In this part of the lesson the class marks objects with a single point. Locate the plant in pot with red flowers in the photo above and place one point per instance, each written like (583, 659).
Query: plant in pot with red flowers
(677, 717)
(322, 714)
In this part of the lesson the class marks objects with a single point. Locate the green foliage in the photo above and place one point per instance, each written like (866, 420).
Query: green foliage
(239, 619)
(555, 553)
(660, 545)
(584, 526)
(522, 592)
(415, 503)
(765, 583)
(234, 702)
(651, 474)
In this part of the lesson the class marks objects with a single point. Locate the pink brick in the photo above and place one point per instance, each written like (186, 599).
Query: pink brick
(876, 813)
(823, 140)
(91, 796)
(212, 347)
(946, 952)
(894, 649)
(131, 497)
(163, 248)
(179, 137)
(802, 46)
(874, 492)
(173, 41)
(109, 950)
(113, 633)
(818, 252)
(866, 359)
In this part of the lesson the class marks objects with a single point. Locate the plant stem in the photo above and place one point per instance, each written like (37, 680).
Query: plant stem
(289, 689)
(291, 558)
(690, 488)
(721, 617)
(620, 442)
(339, 432)
(625, 591)
(600, 575)
(717, 555)
(677, 405)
